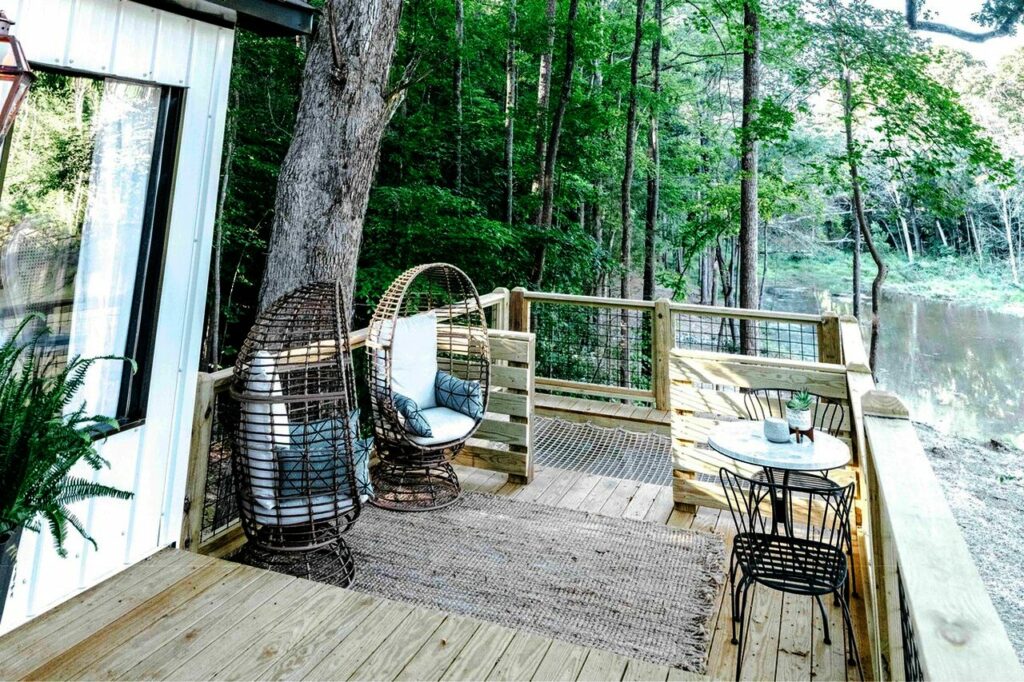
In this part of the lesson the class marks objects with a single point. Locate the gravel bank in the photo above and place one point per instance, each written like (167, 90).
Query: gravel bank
(984, 485)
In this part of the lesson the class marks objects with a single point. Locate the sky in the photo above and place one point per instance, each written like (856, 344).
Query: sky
(958, 13)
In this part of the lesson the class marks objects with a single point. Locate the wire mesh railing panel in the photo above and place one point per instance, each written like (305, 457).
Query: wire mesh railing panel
(789, 340)
(911, 661)
(220, 504)
(594, 345)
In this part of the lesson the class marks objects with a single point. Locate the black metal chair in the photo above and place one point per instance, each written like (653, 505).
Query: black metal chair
(809, 562)
(829, 415)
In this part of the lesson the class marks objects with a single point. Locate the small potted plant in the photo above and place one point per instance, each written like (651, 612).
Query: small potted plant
(41, 441)
(798, 415)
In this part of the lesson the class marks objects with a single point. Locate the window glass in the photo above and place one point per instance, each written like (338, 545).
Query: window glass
(73, 218)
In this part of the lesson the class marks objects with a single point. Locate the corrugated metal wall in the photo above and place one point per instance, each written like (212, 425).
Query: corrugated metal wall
(123, 39)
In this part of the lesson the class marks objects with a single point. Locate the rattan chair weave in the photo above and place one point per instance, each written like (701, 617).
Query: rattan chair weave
(297, 440)
(412, 476)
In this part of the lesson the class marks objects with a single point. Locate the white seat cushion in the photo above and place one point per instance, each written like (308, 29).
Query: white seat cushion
(293, 510)
(264, 426)
(414, 358)
(446, 425)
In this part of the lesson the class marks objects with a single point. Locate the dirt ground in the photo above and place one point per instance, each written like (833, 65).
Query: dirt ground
(984, 485)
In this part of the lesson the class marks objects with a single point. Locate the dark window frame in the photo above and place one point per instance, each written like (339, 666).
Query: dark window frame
(133, 399)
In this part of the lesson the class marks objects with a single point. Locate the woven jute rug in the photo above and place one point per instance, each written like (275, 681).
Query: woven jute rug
(632, 587)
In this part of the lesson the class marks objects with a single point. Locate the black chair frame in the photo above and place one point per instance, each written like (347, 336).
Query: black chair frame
(810, 562)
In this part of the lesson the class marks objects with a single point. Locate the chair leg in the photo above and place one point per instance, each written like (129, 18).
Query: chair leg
(743, 615)
(824, 619)
(853, 655)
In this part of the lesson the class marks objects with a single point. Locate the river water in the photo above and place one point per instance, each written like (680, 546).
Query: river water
(958, 368)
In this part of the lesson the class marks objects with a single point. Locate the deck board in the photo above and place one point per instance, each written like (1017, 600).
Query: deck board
(181, 616)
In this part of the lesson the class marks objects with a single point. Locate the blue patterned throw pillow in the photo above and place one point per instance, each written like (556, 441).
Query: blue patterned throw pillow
(461, 395)
(414, 421)
(317, 461)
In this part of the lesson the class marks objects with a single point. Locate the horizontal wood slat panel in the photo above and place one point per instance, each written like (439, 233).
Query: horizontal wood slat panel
(509, 433)
(725, 370)
(511, 404)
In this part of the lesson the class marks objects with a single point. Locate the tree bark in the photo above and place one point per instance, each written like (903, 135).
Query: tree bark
(626, 204)
(749, 218)
(856, 267)
(1008, 228)
(327, 174)
(551, 153)
(654, 158)
(543, 100)
(460, 40)
(510, 107)
(865, 228)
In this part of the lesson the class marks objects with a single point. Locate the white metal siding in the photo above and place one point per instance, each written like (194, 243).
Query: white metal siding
(123, 39)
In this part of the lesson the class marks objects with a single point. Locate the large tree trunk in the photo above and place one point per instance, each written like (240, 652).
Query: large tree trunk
(551, 153)
(749, 217)
(510, 107)
(460, 40)
(325, 179)
(626, 199)
(862, 223)
(654, 159)
(543, 100)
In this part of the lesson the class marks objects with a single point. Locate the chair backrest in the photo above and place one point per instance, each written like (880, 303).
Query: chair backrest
(818, 514)
(828, 414)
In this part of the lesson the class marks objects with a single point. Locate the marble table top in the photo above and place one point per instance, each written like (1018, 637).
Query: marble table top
(744, 441)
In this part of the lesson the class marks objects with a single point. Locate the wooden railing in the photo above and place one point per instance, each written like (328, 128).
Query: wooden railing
(613, 348)
(927, 612)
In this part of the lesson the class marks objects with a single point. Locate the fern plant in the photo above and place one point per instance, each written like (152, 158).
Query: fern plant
(42, 439)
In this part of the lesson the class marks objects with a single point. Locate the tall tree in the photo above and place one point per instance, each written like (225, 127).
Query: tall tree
(510, 108)
(551, 153)
(543, 101)
(325, 180)
(654, 158)
(460, 41)
(749, 219)
(626, 197)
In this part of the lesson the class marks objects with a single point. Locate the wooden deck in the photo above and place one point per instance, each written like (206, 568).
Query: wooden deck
(183, 616)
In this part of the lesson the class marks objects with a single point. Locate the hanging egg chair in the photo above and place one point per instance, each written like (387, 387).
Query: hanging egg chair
(429, 374)
(301, 469)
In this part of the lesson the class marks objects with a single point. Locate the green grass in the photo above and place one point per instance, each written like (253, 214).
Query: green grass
(943, 279)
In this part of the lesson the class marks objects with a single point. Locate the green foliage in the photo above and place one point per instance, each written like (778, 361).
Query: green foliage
(42, 439)
(800, 401)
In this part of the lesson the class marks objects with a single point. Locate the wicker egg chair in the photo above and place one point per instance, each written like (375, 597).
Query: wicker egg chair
(301, 470)
(429, 374)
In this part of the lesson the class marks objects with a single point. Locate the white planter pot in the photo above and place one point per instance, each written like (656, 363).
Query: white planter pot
(799, 419)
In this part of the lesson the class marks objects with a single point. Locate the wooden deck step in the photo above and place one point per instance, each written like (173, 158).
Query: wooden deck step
(608, 414)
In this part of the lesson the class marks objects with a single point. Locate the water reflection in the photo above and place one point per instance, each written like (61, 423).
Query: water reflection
(959, 368)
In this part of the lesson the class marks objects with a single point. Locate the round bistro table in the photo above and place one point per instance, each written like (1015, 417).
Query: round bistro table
(744, 441)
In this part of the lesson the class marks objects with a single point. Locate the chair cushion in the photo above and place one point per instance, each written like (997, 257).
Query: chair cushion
(446, 425)
(263, 427)
(411, 415)
(414, 358)
(296, 510)
(317, 466)
(461, 395)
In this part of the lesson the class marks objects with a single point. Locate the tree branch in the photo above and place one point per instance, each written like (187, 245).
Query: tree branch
(1006, 27)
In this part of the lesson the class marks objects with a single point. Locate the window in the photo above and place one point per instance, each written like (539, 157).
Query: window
(83, 221)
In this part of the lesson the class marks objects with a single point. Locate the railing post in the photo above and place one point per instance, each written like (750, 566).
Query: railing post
(500, 318)
(830, 348)
(198, 461)
(518, 311)
(663, 341)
